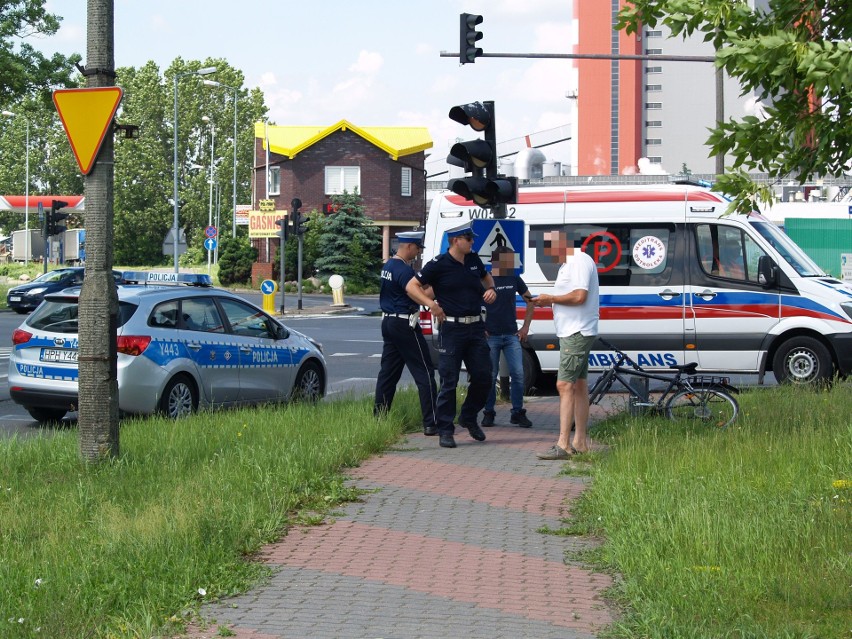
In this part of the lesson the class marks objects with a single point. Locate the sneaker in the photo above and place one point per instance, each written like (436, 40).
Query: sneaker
(520, 418)
(488, 417)
(475, 431)
(556, 452)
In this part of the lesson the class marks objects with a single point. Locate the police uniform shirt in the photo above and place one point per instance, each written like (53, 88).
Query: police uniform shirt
(457, 286)
(502, 315)
(392, 297)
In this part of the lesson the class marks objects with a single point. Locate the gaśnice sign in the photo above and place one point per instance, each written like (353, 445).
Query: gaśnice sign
(262, 223)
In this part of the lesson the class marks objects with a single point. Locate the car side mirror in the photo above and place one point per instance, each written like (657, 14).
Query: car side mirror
(767, 272)
(282, 332)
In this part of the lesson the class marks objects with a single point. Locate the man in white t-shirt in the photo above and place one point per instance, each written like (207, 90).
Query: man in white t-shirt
(576, 310)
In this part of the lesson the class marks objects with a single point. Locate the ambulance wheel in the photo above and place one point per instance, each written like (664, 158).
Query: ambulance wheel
(802, 360)
(46, 415)
(180, 397)
(530, 371)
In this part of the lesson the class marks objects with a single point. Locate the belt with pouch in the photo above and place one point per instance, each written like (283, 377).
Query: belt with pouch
(467, 319)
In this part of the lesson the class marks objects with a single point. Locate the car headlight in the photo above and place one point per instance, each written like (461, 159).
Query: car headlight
(37, 291)
(319, 346)
(847, 308)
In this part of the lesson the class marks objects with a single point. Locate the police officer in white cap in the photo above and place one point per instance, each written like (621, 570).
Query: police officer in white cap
(404, 343)
(461, 284)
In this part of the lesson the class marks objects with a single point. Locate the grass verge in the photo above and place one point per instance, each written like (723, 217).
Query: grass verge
(741, 533)
(131, 548)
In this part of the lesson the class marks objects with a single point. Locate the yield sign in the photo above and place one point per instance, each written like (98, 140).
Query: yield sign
(87, 117)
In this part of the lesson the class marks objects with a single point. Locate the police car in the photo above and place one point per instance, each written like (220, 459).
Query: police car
(182, 345)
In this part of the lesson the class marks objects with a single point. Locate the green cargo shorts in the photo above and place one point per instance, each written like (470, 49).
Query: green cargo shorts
(574, 357)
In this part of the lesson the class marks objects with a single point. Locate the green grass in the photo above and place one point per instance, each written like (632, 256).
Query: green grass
(741, 533)
(127, 549)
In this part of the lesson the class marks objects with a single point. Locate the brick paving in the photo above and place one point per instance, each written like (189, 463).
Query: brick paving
(445, 545)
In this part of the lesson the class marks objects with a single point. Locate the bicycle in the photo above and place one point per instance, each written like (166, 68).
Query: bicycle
(688, 397)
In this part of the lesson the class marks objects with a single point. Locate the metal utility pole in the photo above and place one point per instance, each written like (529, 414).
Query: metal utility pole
(98, 307)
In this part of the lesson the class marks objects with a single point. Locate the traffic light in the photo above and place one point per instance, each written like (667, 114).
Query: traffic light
(479, 157)
(299, 219)
(468, 37)
(54, 216)
(283, 224)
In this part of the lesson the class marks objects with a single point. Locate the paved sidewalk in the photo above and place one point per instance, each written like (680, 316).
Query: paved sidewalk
(447, 546)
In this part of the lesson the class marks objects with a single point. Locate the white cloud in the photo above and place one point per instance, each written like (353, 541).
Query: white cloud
(368, 63)
(160, 24)
(267, 79)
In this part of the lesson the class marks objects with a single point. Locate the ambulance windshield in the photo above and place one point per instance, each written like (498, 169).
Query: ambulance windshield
(788, 249)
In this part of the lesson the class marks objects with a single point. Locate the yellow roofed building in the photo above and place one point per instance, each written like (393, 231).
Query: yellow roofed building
(385, 164)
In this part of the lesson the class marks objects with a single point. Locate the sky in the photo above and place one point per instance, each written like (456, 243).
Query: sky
(371, 62)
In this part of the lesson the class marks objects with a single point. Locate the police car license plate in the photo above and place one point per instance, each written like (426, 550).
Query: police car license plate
(58, 355)
(15, 298)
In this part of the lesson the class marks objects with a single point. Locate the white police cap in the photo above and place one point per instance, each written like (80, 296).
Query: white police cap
(414, 237)
(462, 229)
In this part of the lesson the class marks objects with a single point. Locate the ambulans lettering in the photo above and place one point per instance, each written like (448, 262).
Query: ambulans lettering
(643, 359)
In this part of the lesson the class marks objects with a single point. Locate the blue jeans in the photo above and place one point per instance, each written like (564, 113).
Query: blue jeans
(510, 345)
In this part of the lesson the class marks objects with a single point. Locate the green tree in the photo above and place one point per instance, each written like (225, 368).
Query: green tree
(236, 256)
(145, 166)
(348, 230)
(796, 57)
(23, 70)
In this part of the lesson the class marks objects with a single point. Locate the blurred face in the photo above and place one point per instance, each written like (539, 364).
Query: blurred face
(556, 244)
(505, 263)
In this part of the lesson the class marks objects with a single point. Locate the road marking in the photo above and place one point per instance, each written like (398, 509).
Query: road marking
(344, 354)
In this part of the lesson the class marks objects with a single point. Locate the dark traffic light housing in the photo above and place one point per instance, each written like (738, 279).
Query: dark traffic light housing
(299, 219)
(54, 216)
(479, 157)
(468, 37)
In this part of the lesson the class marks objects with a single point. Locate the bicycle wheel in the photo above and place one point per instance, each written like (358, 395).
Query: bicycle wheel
(710, 405)
(601, 386)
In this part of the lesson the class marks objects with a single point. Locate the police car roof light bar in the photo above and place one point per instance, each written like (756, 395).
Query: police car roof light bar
(173, 279)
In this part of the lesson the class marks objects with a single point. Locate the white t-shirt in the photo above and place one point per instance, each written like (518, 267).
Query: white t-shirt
(578, 272)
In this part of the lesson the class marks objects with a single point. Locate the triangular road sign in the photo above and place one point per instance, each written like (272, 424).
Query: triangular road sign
(87, 117)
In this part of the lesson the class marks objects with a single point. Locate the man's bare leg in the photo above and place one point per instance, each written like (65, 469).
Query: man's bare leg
(566, 413)
(581, 415)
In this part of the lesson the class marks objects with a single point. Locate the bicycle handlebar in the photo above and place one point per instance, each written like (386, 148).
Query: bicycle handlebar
(621, 354)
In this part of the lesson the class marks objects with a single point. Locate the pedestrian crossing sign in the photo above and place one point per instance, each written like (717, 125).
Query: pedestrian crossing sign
(492, 234)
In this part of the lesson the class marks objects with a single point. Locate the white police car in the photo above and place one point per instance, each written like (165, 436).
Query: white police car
(179, 348)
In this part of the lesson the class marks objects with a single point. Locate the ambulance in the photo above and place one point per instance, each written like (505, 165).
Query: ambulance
(680, 280)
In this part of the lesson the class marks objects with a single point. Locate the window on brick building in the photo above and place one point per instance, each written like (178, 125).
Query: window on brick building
(342, 178)
(406, 181)
(274, 180)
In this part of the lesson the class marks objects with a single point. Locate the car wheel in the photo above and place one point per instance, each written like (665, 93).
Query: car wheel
(310, 385)
(21, 311)
(180, 397)
(46, 415)
(802, 360)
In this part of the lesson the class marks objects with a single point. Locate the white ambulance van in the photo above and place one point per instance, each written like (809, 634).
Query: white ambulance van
(680, 281)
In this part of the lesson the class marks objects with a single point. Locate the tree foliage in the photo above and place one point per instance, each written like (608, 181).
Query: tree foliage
(350, 243)
(796, 57)
(23, 70)
(236, 256)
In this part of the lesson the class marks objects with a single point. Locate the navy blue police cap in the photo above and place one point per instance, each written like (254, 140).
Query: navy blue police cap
(414, 237)
(462, 229)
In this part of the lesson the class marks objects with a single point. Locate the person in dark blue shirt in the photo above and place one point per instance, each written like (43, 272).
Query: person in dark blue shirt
(403, 340)
(461, 284)
(501, 327)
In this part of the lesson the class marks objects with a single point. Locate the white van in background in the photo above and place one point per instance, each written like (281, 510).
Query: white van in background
(680, 281)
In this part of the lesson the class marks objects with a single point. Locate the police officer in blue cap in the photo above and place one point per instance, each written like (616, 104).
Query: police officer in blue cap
(403, 340)
(460, 285)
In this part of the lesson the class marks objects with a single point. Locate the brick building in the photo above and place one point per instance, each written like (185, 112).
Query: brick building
(313, 163)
